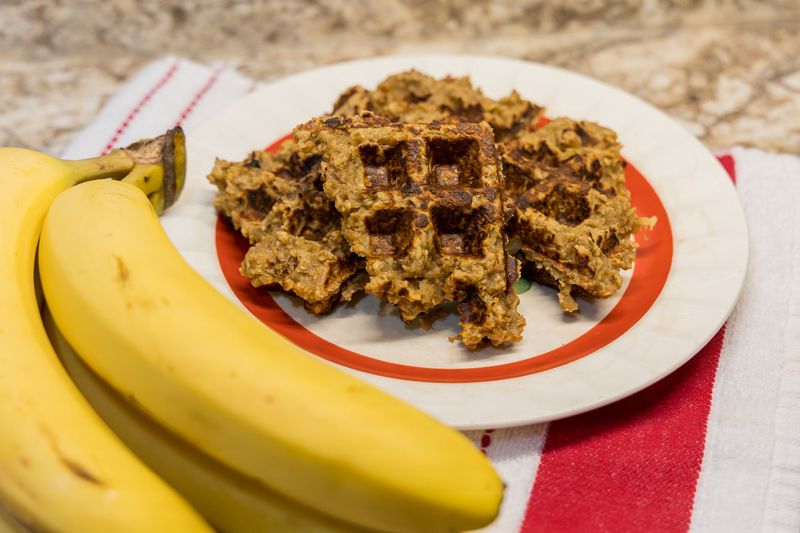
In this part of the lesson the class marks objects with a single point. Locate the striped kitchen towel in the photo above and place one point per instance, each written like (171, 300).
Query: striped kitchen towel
(714, 447)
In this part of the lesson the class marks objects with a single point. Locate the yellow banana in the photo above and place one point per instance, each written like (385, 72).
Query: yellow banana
(61, 468)
(230, 501)
(161, 335)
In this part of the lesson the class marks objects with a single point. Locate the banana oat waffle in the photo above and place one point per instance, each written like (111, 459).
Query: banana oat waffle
(277, 202)
(573, 218)
(414, 97)
(423, 205)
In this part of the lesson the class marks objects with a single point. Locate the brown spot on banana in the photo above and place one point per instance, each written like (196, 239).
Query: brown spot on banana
(356, 388)
(80, 471)
(122, 271)
(74, 467)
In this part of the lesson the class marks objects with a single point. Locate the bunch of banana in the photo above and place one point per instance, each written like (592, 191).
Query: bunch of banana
(160, 335)
(61, 468)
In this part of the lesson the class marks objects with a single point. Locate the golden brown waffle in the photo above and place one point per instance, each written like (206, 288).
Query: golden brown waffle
(423, 205)
(414, 97)
(277, 202)
(573, 219)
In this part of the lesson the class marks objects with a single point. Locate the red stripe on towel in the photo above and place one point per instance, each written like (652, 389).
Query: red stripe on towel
(199, 96)
(486, 440)
(729, 165)
(140, 105)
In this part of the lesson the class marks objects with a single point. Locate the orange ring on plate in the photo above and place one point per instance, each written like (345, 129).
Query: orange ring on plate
(653, 263)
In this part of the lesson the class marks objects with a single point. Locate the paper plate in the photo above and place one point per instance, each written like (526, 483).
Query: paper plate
(688, 272)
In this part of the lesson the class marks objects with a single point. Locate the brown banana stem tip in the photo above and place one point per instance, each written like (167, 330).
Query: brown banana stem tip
(168, 150)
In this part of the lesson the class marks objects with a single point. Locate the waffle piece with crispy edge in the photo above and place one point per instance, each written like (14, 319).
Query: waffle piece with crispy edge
(423, 205)
(316, 271)
(277, 202)
(575, 236)
(582, 149)
(414, 97)
(573, 218)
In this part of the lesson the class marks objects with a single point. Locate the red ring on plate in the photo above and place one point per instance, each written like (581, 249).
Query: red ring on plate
(653, 262)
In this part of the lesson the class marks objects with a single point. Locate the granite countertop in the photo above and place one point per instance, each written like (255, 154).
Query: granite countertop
(728, 70)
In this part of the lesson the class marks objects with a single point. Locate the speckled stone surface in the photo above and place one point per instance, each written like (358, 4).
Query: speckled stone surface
(728, 70)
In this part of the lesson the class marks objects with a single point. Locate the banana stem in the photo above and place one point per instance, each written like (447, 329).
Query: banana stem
(157, 166)
(115, 165)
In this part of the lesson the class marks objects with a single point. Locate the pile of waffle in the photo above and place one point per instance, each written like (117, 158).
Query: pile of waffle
(425, 191)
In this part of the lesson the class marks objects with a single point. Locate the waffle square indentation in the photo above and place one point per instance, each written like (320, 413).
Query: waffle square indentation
(384, 167)
(459, 230)
(454, 163)
(389, 232)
